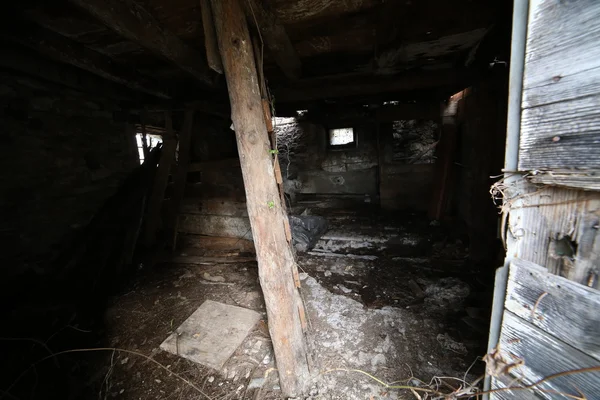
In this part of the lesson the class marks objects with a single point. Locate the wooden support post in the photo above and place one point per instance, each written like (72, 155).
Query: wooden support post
(273, 252)
(160, 182)
(444, 168)
(180, 179)
(145, 148)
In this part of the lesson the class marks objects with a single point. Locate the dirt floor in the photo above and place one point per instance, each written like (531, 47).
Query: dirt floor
(393, 302)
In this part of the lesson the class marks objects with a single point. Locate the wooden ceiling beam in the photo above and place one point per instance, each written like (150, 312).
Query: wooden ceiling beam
(65, 50)
(274, 37)
(332, 87)
(23, 61)
(135, 23)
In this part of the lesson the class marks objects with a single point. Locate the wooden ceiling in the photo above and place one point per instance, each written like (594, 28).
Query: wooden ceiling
(339, 48)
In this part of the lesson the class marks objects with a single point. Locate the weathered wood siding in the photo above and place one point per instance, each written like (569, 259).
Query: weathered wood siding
(551, 316)
(560, 131)
(551, 324)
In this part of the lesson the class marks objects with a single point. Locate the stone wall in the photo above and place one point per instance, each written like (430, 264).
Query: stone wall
(61, 156)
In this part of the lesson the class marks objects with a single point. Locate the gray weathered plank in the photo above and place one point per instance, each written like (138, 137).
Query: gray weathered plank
(561, 97)
(215, 225)
(550, 88)
(540, 216)
(543, 356)
(567, 310)
(588, 179)
(562, 40)
(561, 135)
(503, 382)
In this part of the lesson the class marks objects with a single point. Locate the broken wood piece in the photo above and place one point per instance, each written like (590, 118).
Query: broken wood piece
(207, 260)
(210, 38)
(211, 334)
(416, 289)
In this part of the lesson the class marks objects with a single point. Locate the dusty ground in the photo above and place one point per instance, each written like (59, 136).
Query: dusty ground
(395, 317)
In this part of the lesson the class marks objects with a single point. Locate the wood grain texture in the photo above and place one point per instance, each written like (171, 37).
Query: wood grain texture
(561, 135)
(560, 126)
(539, 217)
(562, 42)
(273, 252)
(134, 22)
(561, 308)
(503, 382)
(582, 179)
(544, 355)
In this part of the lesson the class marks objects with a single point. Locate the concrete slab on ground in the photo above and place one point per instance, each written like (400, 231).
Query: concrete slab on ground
(212, 333)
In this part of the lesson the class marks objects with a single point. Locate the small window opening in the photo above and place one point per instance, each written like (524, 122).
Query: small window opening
(153, 141)
(341, 137)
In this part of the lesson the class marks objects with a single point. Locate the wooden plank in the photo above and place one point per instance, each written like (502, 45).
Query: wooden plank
(25, 62)
(70, 52)
(337, 87)
(161, 180)
(213, 243)
(561, 135)
(544, 355)
(180, 178)
(210, 38)
(503, 382)
(185, 259)
(557, 88)
(134, 22)
(561, 121)
(215, 225)
(275, 37)
(540, 218)
(587, 179)
(444, 169)
(267, 219)
(562, 308)
(391, 113)
(562, 42)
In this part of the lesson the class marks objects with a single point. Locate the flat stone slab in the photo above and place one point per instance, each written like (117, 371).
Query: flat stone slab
(211, 334)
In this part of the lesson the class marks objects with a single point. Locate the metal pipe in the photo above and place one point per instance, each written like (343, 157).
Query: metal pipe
(511, 158)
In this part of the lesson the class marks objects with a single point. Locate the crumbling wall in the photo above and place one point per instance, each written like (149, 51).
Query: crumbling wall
(62, 156)
(320, 170)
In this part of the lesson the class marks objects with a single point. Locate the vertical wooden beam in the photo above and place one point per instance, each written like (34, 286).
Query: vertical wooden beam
(210, 39)
(161, 180)
(273, 252)
(145, 148)
(180, 179)
(444, 168)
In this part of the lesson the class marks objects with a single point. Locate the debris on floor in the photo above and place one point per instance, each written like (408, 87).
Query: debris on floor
(385, 311)
(211, 334)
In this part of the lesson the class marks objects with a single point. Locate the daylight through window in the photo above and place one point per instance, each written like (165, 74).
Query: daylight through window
(341, 136)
